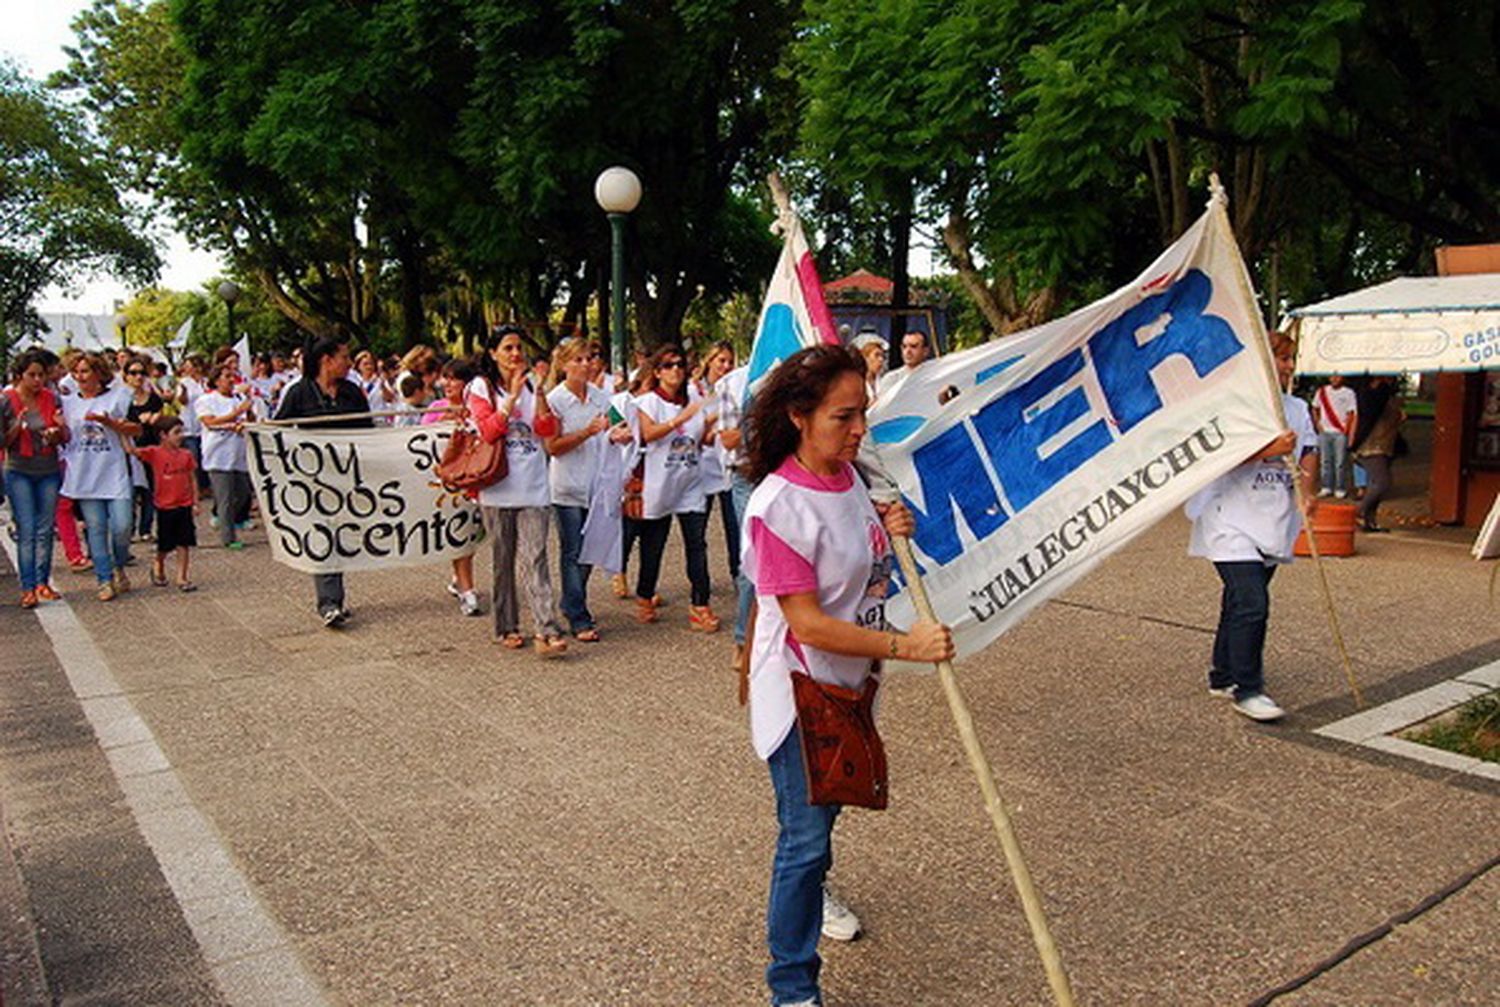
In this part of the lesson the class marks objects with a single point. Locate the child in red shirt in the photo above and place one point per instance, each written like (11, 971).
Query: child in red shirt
(176, 499)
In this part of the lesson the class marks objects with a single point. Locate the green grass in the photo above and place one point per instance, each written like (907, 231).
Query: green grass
(1472, 729)
(1419, 407)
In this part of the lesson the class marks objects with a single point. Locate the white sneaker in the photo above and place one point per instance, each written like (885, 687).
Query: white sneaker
(1325, 491)
(1259, 707)
(1340, 494)
(839, 921)
(453, 587)
(1227, 691)
(468, 603)
(803, 1003)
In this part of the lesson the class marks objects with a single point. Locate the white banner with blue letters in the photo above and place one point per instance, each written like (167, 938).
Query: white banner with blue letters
(1028, 460)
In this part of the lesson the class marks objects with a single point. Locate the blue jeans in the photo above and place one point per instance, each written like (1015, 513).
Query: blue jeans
(194, 444)
(1333, 454)
(33, 501)
(1240, 642)
(575, 575)
(739, 491)
(730, 515)
(804, 853)
(109, 534)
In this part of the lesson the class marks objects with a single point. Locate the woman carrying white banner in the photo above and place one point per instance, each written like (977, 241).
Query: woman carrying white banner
(517, 508)
(818, 551)
(1246, 522)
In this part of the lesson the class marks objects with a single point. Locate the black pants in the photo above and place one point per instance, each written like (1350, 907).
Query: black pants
(653, 537)
(1240, 642)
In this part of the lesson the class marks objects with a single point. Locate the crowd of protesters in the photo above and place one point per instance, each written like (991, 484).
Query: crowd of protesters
(616, 460)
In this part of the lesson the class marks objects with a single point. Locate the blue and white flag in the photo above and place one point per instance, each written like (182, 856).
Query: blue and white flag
(794, 315)
(1028, 460)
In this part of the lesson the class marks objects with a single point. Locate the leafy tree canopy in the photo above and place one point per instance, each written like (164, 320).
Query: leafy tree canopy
(61, 217)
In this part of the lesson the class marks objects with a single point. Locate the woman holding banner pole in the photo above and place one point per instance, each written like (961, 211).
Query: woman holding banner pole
(818, 550)
(323, 391)
(1246, 522)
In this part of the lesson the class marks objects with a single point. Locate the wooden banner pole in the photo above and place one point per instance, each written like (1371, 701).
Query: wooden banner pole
(1031, 901)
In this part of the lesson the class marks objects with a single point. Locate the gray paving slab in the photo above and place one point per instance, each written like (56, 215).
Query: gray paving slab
(432, 819)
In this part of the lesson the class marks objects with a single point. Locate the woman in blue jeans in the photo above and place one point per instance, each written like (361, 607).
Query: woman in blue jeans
(31, 435)
(1246, 523)
(98, 470)
(819, 554)
(582, 411)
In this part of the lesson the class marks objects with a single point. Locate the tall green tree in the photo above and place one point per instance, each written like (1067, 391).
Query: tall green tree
(61, 215)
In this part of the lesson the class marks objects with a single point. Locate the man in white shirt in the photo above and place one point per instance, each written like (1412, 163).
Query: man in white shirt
(914, 353)
(1336, 413)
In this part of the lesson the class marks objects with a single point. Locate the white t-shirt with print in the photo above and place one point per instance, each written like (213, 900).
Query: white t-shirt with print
(97, 465)
(223, 449)
(525, 484)
(1250, 512)
(809, 533)
(193, 390)
(573, 473)
(673, 484)
(1340, 401)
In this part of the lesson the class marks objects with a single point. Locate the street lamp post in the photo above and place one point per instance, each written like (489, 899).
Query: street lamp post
(229, 292)
(618, 191)
(122, 320)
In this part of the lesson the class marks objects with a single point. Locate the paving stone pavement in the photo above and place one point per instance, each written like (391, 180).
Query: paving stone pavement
(418, 816)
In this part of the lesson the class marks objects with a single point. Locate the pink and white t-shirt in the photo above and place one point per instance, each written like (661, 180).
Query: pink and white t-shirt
(809, 533)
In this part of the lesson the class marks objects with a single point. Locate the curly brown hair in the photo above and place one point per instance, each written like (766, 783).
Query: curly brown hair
(797, 386)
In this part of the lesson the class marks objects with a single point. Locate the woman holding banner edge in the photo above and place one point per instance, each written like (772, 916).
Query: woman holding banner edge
(1246, 522)
(817, 550)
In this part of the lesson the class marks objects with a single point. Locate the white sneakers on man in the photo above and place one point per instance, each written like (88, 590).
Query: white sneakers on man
(839, 921)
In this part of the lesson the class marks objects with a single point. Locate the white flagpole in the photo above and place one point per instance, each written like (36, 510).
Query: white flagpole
(1031, 901)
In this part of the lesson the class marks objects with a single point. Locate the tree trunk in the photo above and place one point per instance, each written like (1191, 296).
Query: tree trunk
(900, 273)
(410, 253)
(282, 302)
(956, 237)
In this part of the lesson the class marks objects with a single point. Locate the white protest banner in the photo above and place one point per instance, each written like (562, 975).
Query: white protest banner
(1028, 460)
(340, 500)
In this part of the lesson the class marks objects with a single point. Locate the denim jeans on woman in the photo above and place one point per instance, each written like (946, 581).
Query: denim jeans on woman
(574, 575)
(804, 853)
(33, 502)
(740, 490)
(109, 534)
(1240, 643)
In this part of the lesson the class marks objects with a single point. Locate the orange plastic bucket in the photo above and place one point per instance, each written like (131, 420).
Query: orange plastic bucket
(1333, 524)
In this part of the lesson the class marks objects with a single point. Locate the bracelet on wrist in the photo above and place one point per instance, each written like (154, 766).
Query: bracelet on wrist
(894, 640)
